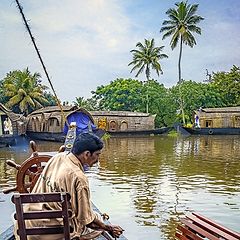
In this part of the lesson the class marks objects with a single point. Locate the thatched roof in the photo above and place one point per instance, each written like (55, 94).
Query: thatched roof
(13, 116)
(51, 109)
(55, 111)
(222, 110)
(119, 113)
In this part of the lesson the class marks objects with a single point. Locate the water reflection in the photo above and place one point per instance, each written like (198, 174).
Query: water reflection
(147, 183)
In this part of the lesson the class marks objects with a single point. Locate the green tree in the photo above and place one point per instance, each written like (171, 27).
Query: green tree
(145, 58)
(181, 26)
(160, 103)
(198, 95)
(228, 84)
(51, 100)
(120, 95)
(24, 91)
(89, 104)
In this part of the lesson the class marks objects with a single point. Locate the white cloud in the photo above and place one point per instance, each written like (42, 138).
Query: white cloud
(85, 44)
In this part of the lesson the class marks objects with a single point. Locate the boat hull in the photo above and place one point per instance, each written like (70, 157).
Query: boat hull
(213, 131)
(46, 136)
(60, 137)
(156, 131)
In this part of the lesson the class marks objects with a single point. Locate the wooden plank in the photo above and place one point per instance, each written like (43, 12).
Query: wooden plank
(210, 228)
(42, 215)
(187, 232)
(199, 230)
(45, 230)
(227, 230)
(181, 237)
(38, 197)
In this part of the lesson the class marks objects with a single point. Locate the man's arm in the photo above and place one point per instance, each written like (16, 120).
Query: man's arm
(113, 230)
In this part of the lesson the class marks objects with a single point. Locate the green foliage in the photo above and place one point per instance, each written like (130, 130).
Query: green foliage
(89, 104)
(120, 95)
(160, 103)
(51, 100)
(182, 24)
(147, 56)
(228, 84)
(196, 95)
(23, 91)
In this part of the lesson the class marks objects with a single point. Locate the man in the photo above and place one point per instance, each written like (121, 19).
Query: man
(65, 173)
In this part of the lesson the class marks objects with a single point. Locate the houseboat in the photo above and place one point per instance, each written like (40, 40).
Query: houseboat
(215, 121)
(119, 123)
(12, 127)
(51, 124)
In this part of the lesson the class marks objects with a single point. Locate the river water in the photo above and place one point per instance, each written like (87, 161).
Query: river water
(146, 184)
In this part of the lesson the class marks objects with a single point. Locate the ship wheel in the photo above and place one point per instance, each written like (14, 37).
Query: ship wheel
(29, 171)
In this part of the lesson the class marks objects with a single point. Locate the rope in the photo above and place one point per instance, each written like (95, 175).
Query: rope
(40, 58)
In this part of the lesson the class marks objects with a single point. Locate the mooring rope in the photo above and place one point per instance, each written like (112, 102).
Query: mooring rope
(41, 60)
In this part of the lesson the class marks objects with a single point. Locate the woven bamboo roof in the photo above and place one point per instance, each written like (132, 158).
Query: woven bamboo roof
(119, 113)
(13, 116)
(221, 110)
(54, 109)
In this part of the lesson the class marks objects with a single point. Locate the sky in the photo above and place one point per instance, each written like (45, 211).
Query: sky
(86, 44)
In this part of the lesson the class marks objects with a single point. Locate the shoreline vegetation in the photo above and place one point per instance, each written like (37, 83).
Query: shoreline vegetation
(223, 90)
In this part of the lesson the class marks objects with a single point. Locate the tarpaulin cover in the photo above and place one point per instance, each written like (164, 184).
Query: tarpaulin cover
(82, 121)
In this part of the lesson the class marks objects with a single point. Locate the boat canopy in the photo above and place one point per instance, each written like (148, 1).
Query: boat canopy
(83, 122)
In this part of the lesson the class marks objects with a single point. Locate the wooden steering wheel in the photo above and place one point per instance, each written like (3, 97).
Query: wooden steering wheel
(29, 171)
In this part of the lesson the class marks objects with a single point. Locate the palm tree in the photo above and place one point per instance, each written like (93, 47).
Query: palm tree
(181, 26)
(147, 57)
(24, 90)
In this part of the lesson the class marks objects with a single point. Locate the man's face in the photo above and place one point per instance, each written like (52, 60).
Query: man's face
(93, 158)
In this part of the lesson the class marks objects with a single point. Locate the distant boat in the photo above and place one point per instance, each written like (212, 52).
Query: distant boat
(126, 123)
(214, 121)
(212, 131)
(12, 127)
(49, 124)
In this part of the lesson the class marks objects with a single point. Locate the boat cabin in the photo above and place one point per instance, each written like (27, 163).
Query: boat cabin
(227, 117)
(11, 123)
(120, 121)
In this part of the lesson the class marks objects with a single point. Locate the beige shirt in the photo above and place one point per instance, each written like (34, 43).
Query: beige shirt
(64, 172)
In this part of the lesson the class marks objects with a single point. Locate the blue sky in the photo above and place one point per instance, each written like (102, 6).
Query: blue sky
(86, 44)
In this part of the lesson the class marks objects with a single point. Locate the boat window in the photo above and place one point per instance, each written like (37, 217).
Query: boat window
(112, 125)
(53, 122)
(124, 126)
(208, 123)
(237, 122)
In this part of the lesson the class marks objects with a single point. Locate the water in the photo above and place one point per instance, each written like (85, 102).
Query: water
(146, 184)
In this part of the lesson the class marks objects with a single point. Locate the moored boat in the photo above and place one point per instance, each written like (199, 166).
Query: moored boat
(214, 121)
(12, 127)
(51, 124)
(213, 131)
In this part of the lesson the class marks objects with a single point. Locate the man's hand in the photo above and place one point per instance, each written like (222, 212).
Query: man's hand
(115, 231)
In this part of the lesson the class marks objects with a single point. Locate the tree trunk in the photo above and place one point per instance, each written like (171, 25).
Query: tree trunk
(147, 101)
(147, 97)
(180, 81)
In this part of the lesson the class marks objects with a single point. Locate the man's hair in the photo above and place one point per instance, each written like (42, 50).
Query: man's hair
(87, 142)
